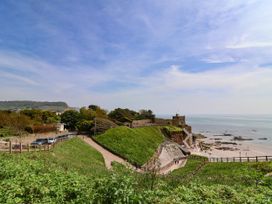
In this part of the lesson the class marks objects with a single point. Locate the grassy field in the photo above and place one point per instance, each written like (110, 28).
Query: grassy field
(137, 145)
(221, 173)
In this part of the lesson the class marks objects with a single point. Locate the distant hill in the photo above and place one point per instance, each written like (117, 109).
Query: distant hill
(43, 105)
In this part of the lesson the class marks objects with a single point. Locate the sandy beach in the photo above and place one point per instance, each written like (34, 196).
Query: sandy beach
(241, 149)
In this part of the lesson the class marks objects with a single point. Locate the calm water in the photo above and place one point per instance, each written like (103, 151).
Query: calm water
(255, 127)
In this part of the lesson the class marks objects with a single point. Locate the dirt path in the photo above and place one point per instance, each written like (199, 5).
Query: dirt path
(108, 156)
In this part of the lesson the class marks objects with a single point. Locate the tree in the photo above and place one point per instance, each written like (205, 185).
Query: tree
(146, 114)
(102, 124)
(70, 118)
(123, 115)
(85, 125)
(99, 112)
(87, 114)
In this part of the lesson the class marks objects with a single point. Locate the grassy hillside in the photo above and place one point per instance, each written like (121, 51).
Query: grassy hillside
(241, 174)
(73, 155)
(137, 145)
(76, 154)
(43, 105)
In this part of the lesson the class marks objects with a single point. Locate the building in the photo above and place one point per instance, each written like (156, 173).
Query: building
(178, 120)
(142, 123)
(60, 127)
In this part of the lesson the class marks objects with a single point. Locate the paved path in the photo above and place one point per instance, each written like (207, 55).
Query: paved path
(108, 156)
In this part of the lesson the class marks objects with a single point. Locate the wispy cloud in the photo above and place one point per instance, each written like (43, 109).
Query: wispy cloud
(190, 56)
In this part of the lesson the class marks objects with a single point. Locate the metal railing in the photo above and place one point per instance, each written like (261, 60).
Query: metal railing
(241, 159)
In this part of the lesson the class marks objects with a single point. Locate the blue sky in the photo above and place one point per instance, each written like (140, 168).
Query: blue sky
(171, 56)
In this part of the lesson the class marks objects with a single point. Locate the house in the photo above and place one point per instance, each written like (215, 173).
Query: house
(60, 127)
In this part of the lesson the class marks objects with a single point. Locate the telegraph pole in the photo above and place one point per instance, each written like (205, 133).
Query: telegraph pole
(94, 126)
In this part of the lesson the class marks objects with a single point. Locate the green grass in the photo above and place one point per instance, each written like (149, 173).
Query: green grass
(191, 165)
(137, 145)
(170, 128)
(76, 154)
(241, 174)
(6, 132)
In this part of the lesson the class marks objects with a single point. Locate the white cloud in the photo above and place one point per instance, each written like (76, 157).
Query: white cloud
(250, 45)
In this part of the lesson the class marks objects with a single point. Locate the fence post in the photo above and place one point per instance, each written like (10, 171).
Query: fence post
(221, 159)
(233, 159)
(247, 159)
(10, 147)
(256, 159)
(217, 159)
(21, 147)
(28, 147)
(266, 158)
(240, 159)
(227, 159)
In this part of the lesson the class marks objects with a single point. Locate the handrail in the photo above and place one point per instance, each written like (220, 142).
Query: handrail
(241, 159)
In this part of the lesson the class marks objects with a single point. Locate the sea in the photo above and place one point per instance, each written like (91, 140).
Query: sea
(255, 127)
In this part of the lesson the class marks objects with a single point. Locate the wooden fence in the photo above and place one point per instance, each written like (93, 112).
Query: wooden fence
(15, 147)
(241, 159)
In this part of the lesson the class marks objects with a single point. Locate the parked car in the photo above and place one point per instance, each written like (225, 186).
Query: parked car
(40, 141)
(62, 137)
(51, 140)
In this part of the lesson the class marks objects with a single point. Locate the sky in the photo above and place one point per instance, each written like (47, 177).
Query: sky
(171, 56)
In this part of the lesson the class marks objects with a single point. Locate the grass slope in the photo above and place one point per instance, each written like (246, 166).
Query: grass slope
(73, 154)
(78, 155)
(137, 145)
(232, 173)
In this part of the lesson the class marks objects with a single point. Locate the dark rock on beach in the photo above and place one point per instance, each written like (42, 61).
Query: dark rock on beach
(227, 143)
(240, 138)
(224, 134)
(199, 136)
(226, 148)
(262, 138)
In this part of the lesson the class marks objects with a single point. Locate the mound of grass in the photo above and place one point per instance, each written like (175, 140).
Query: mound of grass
(137, 145)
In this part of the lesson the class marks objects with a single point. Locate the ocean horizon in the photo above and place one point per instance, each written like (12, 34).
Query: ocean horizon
(255, 127)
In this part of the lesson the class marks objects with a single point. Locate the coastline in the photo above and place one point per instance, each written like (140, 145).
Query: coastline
(242, 149)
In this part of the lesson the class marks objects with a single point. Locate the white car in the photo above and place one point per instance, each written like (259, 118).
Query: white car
(51, 140)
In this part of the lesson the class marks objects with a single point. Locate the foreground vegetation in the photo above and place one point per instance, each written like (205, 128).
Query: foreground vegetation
(75, 173)
(137, 145)
(231, 174)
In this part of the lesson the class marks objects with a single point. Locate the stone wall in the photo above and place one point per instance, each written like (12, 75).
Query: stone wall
(141, 123)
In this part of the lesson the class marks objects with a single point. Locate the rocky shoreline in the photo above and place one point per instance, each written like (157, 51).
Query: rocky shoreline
(228, 145)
